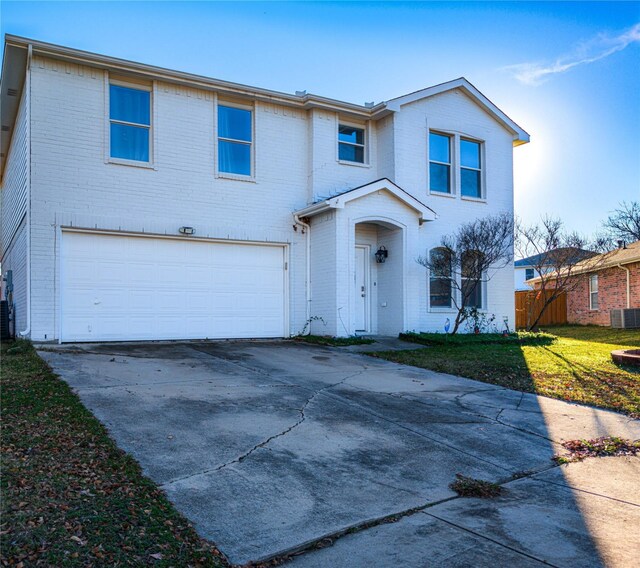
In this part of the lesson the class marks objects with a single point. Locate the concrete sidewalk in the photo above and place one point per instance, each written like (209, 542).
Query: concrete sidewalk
(274, 447)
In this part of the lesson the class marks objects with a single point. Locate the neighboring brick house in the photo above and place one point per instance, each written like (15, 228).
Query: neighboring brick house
(146, 203)
(603, 283)
(530, 267)
(615, 284)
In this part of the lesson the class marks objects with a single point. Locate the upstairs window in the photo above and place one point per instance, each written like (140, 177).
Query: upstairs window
(439, 162)
(470, 169)
(528, 273)
(130, 123)
(593, 292)
(235, 136)
(350, 144)
(440, 285)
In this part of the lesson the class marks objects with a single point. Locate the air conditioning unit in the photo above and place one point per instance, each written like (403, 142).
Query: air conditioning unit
(625, 319)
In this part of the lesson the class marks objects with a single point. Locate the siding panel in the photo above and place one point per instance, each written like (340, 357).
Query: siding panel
(14, 184)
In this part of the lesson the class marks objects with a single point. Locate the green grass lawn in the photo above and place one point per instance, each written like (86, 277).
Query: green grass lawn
(70, 497)
(577, 366)
(334, 341)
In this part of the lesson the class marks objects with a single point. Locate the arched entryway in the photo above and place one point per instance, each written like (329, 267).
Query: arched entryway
(378, 290)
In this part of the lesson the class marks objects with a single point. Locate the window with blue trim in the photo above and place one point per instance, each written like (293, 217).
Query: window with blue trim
(130, 123)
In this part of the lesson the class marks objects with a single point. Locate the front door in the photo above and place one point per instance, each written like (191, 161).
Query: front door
(361, 312)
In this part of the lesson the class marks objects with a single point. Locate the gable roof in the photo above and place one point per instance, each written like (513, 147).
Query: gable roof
(630, 253)
(520, 136)
(617, 257)
(340, 200)
(563, 253)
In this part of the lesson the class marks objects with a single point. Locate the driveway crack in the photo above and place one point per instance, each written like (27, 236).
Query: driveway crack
(268, 440)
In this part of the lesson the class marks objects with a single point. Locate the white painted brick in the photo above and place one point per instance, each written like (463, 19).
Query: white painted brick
(295, 164)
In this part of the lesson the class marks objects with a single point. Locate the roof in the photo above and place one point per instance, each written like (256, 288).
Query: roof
(16, 60)
(520, 136)
(339, 201)
(563, 252)
(617, 257)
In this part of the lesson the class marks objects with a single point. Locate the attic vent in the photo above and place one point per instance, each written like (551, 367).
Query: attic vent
(12, 92)
(5, 128)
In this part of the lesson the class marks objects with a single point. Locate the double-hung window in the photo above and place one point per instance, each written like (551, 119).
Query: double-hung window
(129, 123)
(350, 144)
(439, 162)
(470, 169)
(235, 136)
(440, 287)
(593, 292)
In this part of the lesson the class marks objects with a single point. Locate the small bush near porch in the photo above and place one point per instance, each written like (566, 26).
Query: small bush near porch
(70, 497)
(574, 365)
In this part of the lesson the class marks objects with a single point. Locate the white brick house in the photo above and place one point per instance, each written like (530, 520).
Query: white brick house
(106, 164)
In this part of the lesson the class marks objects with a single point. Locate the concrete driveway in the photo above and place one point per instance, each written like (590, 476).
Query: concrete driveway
(271, 448)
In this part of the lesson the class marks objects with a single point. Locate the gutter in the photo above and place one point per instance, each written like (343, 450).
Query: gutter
(26, 332)
(115, 64)
(307, 287)
(628, 283)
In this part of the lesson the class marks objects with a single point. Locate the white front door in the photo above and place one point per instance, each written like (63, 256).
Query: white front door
(361, 311)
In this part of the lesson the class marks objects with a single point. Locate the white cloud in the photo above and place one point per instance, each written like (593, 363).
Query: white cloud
(597, 48)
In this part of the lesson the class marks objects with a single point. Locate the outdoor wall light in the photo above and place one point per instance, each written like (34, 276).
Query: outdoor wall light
(187, 230)
(381, 255)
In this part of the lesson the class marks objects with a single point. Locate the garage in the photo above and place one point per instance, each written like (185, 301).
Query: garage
(121, 288)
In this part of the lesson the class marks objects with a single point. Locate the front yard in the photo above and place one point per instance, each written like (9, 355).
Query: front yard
(70, 497)
(577, 366)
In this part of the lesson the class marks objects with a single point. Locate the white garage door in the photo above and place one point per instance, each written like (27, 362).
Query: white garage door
(127, 288)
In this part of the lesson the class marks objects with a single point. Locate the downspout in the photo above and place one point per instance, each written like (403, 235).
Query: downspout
(26, 332)
(307, 229)
(628, 283)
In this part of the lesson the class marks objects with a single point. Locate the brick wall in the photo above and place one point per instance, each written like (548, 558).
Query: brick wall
(612, 294)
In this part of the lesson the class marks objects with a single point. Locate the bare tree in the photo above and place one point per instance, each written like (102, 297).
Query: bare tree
(468, 258)
(557, 257)
(624, 223)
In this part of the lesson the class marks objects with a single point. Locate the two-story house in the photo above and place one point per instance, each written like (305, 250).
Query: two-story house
(144, 203)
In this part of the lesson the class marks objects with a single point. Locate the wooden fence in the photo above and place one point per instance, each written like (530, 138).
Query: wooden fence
(529, 304)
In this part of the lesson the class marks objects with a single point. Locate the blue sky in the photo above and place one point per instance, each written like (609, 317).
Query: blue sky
(567, 72)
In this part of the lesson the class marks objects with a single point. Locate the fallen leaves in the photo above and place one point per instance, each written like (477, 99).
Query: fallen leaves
(579, 450)
(70, 496)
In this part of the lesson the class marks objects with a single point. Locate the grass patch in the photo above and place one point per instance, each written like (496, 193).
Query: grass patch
(469, 487)
(576, 367)
(597, 448)
(517, 338)
(70, 497)
(334, 341)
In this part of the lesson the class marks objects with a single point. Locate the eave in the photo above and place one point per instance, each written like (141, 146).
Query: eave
(425, 213)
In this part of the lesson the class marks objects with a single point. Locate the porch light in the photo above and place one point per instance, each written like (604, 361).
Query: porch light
(381, 255)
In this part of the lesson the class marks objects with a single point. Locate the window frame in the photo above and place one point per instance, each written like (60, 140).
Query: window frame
(252, 161)
(480, 170)
(139, 85)
(365, 142)
(451, 306)
(452, 178)
(593, 278)
(483, 289)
